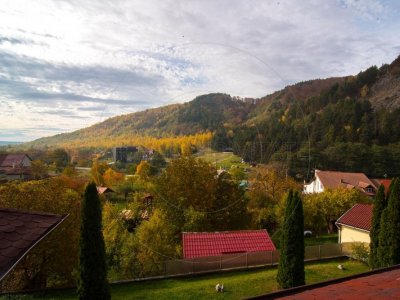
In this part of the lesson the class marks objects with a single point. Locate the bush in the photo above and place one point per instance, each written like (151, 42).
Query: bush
(360, 252)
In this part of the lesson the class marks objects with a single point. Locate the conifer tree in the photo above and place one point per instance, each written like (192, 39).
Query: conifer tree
(92, 263)
(291, 261)
(379, 206)
(389, 237)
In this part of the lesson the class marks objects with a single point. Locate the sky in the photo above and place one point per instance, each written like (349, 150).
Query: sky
(66, 65)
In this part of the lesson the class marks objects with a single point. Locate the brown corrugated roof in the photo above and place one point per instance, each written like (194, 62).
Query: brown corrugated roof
(334, 179)
(19, 232)
(377, 284)
(359, 216)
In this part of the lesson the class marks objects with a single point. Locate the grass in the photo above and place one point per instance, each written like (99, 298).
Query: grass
(237, 284)
(321, 239)
(221, 159)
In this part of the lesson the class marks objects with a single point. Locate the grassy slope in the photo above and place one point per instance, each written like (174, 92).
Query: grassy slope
(237, 284)
(221, 159)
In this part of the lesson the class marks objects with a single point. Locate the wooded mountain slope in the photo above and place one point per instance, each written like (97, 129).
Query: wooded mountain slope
(310, 124)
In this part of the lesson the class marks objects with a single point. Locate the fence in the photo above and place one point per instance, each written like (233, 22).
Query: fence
(250, 259)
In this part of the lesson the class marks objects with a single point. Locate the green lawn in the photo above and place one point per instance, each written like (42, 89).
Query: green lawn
(321, 239)
(221, 159)
(237, 284)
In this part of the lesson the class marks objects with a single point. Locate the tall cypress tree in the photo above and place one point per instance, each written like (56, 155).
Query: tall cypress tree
(92, 263)
(291, 261)
(389, 237)
(379, 206)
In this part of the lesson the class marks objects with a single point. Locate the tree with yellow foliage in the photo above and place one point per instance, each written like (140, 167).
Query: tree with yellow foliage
(268, 185)
(113, 178)
(321, 210)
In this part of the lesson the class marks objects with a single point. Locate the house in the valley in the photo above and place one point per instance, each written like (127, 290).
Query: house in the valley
(15, 166)
(332, 180)
(124, 154)
(101, 190)
(20, 231)
(355, 224)
(203, 244)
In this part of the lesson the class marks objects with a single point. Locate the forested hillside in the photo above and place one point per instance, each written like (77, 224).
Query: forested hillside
(354, 125)
(203, 114)
(350, 123)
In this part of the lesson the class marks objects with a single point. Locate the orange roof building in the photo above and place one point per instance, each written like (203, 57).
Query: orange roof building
(332, 180)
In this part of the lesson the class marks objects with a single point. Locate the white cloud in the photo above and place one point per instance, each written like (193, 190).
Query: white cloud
(71, 58)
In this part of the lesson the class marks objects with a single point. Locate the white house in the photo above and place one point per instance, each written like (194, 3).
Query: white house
(332, 180)
(355, 224)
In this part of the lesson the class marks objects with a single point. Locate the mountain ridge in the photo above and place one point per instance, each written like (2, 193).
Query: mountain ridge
(218, 110)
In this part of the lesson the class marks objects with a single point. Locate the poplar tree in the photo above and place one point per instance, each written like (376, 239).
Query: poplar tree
(291, 261)
(379, 205)
(389, 237)
(92, 262)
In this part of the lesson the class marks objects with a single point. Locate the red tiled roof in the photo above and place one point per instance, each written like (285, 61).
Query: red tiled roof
(359, 216)
(199, 244)
(385, 182)
(377, 284)
(19, 232)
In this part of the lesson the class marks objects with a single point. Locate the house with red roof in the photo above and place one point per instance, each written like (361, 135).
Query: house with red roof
(15, 166)
(332, 180)
(355, 224)
(385, 182)
(202, 244)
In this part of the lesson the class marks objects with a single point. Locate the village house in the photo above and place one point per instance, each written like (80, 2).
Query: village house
(332, 180)
(101, 190)
(355, 224)
(15, 166)
(124, 154)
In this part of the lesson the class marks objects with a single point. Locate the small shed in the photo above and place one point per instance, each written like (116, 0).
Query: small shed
(104, 190)
(201, 244)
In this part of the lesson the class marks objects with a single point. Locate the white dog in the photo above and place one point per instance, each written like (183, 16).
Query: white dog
(219, 288)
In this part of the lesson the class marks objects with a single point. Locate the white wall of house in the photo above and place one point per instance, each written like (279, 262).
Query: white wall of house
(26, 162)
(314, 186)
(351, 234)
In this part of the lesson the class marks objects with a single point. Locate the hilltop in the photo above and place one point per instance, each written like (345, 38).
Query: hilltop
(336, 123)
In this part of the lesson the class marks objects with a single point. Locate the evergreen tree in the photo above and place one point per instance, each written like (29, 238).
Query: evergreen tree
(291, 261)
(379, 206)
(92, 262)
(389, 237)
